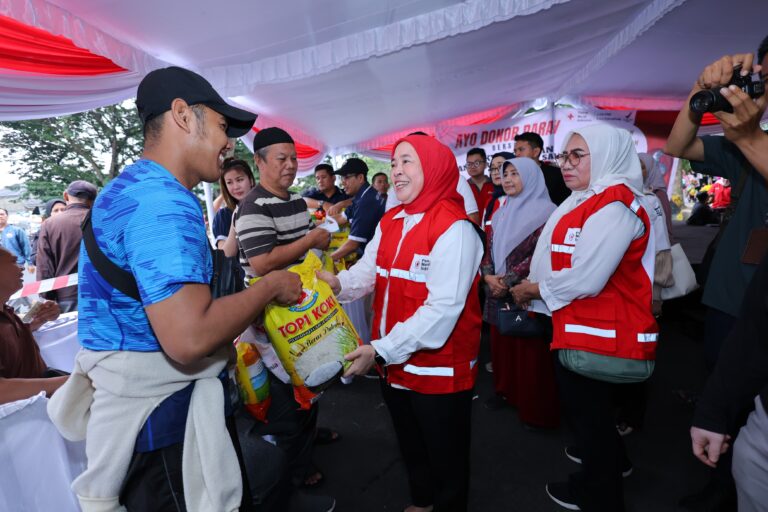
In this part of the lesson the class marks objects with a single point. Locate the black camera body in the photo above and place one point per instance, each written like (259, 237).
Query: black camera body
(710, 100)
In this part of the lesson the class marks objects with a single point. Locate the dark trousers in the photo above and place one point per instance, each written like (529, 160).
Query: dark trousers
(633, 400)
(266, 466)
(588, 410)
(433, 432)
(154, 481)
(293, 429)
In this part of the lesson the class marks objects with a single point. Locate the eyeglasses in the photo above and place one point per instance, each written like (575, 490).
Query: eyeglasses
(476, 164)
(572, 158)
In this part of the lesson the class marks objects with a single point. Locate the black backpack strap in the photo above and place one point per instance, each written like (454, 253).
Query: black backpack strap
(117, 277)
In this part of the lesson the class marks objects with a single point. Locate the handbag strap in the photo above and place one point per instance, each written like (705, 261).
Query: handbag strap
(118, 278)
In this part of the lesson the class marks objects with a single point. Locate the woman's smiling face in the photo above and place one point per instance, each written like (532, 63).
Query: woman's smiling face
(407, 173)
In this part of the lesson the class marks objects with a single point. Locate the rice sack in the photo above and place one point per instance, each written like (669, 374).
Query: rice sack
(338, 239)
(252, 380)
(311, 337)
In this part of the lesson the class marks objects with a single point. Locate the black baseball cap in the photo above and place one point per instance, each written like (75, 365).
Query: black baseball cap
(160, 87)
(353, 166)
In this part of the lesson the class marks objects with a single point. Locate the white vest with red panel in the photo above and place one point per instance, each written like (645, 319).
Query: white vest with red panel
(401, 271)
(618, 321)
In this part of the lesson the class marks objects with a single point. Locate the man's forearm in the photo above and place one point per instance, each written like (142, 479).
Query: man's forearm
(349, 247)
(755, 150)
(18, 389)
(683, 141)
(311, 203)
(227, 317)
(191, 325)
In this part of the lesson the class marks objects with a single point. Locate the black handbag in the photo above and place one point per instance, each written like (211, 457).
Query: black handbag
(512, 320)
(228, 278)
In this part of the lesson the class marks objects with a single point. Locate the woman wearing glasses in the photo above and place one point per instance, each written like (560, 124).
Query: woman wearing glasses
(593, 270)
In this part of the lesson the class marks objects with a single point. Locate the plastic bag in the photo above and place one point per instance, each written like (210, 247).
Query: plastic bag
(311, 337)
(338, 238)
(252, 380)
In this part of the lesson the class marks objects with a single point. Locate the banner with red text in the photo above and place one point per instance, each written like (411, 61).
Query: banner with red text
(552, 126)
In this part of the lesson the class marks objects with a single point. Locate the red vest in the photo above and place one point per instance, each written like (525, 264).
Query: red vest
(483, 196)
(487, 226)
(618, 321)
(453, 367)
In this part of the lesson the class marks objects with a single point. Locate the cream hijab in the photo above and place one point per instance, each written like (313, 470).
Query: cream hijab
(614, 162)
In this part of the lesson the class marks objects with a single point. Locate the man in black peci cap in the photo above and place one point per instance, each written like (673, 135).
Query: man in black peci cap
(273, 232)
(150, 392)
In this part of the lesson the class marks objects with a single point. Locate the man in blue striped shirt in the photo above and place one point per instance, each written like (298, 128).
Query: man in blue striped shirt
(15, 240)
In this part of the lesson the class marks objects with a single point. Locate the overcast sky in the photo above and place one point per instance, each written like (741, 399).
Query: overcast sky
(6, 178)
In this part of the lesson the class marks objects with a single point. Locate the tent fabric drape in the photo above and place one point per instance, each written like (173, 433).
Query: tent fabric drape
(56, 20)
(25, 48)
(44, 75)
(354, 76)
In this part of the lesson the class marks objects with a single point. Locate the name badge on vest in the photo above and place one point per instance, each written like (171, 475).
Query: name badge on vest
(572, 236)
(420, 264)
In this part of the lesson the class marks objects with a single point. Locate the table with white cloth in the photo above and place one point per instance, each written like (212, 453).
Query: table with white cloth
(58, 342)
(38, 465)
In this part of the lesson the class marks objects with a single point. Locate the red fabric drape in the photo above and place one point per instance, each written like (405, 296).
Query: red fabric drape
(303, 151)
(486, 120)
(662, 117)
(30, 49)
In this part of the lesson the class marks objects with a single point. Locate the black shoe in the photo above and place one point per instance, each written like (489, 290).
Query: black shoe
(573, 453)
(714, 497)
(560, 493)
(495, 403)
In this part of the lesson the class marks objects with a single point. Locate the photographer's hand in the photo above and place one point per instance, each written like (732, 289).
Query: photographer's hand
(718, 74)
(683, 141)
(742, 127)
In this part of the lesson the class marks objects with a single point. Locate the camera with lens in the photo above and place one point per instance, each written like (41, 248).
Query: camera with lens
(710, 100)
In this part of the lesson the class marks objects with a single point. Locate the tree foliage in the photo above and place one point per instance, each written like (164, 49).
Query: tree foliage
(48, 154)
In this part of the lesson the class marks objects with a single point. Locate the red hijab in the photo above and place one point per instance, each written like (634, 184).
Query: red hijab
(441, 174)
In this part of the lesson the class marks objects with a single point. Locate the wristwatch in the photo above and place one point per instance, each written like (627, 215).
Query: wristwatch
(378, 359)
(321, 203)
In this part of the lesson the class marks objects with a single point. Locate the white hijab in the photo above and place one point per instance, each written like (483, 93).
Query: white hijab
(654, 179)
(521, 215)
(614, 162)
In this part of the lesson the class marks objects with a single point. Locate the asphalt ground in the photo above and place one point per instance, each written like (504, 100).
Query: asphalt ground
(511, 465)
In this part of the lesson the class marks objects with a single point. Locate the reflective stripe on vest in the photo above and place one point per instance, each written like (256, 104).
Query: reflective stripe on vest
(568, 249)
(382, 272)
(410, 276)
(434, 371)
(592, 331)
(648, 337)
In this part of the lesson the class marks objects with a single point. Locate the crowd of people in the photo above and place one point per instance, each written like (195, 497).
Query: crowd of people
(563, 266)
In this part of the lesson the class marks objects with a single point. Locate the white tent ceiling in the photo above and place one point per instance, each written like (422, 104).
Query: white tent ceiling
(342, 72)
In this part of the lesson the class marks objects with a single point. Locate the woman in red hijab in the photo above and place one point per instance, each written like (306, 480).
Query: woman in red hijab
(422, 266)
